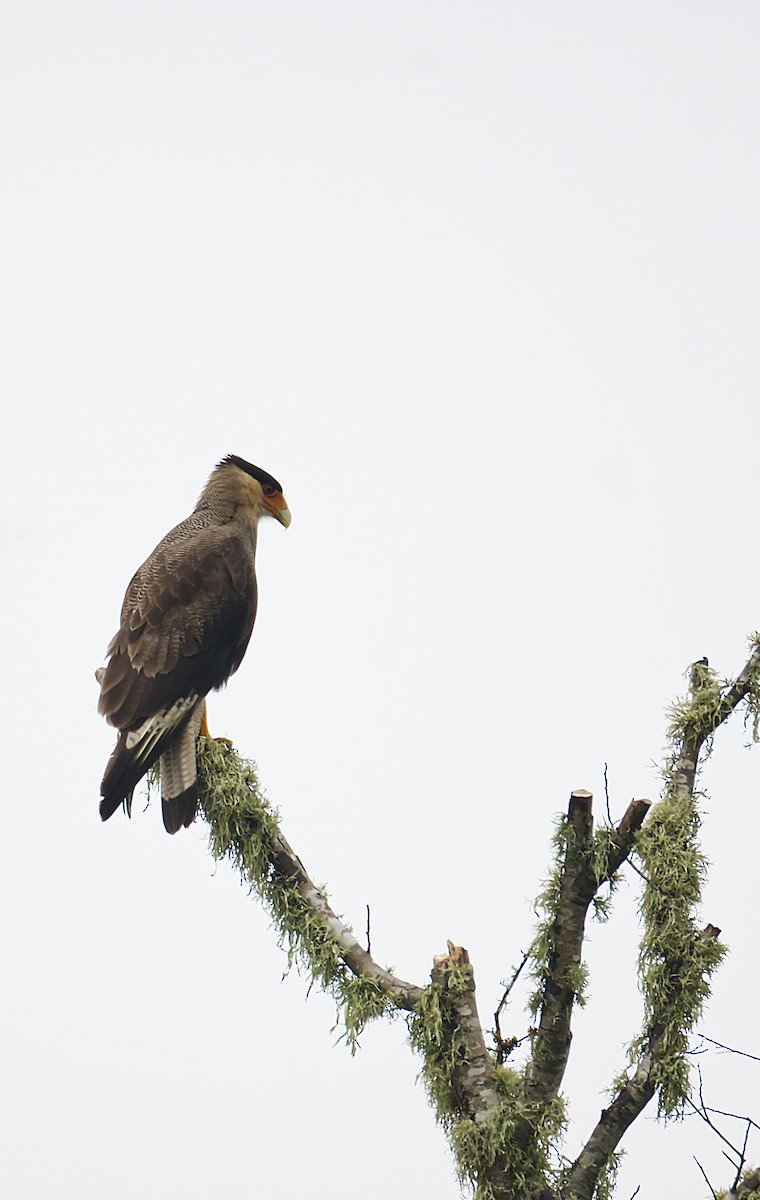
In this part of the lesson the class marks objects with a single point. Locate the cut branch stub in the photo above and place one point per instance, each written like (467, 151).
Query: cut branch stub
(579, 808)
(456, 957)
(633, 817)
(473, 1082)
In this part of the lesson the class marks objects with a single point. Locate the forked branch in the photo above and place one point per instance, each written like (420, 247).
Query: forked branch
(504, 1124)
(580, 879)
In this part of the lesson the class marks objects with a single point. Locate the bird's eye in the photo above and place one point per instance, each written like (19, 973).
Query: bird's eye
(269, 491)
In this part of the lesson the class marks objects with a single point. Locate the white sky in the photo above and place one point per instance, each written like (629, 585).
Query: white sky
(479, 283)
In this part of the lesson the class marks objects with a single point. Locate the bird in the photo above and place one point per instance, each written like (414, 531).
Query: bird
(186, 621)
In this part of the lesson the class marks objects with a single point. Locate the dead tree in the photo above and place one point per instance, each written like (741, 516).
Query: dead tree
(505, 1124)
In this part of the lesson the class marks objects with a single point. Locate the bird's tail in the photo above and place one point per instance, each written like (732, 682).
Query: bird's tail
(138, 749)
(179, 786)
(122, 775)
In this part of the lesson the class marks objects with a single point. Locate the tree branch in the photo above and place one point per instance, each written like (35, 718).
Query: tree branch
(504, 1046)
(629, 1102)
(750, 1183)
(503, 1124)
(694, 721)
(473, 1078)
(623, 838)
(741, 686)
(578, 885)
(359, 961)
(244, 829)
(551, 1044)
(701, 722)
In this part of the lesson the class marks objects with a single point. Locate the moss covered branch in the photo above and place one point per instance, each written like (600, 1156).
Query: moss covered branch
(501, 1143)
(506, 1125)
(585, 862)
(244, 829)
(747, 1188)
(631, 1098)
(676, 958)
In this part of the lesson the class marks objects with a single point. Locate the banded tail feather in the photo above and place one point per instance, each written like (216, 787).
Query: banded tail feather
(137, 750)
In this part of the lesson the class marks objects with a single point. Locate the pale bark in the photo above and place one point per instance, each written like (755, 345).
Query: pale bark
(287, 863)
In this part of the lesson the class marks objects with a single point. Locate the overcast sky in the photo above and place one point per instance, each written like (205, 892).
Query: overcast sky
(479, 284)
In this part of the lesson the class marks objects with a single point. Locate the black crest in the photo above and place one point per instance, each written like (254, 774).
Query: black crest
(234, 460)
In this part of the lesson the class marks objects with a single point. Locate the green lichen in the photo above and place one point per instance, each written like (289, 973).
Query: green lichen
(599, 853)
(521, 1139)
(517, 1139)
(596, 853)
(605, 1187)
(516, 1142)
(752, 700)
(746, 1191)
(700, 712)
(547, 903)
(435, 1032)
(243, 829)
(675, 960)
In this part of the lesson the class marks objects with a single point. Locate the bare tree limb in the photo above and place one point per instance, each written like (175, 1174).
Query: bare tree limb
(704, 1176)
(505, 1045)
(729, 1049)
(703, 1112)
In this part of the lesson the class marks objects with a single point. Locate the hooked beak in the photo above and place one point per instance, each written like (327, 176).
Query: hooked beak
(278, 507)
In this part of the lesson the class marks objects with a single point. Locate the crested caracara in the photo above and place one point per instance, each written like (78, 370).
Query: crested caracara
(186, 621)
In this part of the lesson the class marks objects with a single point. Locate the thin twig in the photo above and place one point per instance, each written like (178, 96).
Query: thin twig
(704, 1176)
(729, 1049)
(369, 943)
(734, 1116)
(642, 874)
(740, 1168)
(504, 1045)
(702, 1111)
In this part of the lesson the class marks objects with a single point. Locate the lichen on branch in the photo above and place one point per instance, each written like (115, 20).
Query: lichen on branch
(676, 959)
(502, 1146)
(244, 829)
(505, 1125)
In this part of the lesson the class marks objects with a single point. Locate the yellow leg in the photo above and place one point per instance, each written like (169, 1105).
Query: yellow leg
(204, 730)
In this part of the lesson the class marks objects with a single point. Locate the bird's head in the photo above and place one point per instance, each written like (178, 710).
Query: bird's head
(249, 486)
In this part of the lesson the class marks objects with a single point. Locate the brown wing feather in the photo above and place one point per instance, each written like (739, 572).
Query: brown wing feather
(186, 622)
